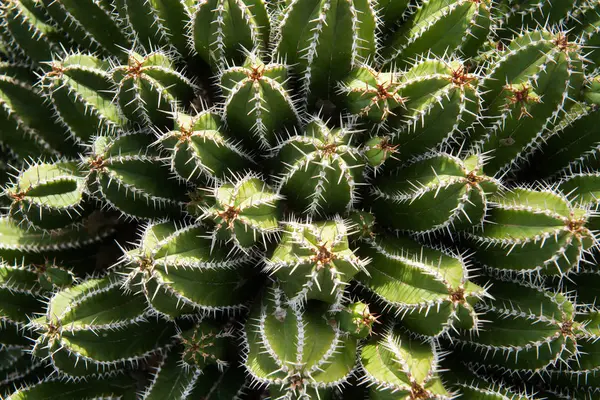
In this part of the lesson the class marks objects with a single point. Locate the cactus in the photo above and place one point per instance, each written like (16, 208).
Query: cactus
(397, 366)
(299, 199)
(199, 149)
(48, 196)
(298, 354)
(550, 68)
(221, 29)
(552, 239)
(442, 102)
(428, 289)
(271, 107)
(337, 35)
(433, 193)
(245, 212)
(149, 87)
(170, 264)
(78, 87)
(314, 261)
(438, 28)
(322, 169)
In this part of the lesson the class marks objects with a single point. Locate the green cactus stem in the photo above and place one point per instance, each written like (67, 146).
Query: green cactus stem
(323, 169)
(442, 102)
(245, 212)
(28, 123)
(547, 317)
(533, 232)
(28, 30)
(200, 149)
(336, 35)
(77, 316)
(221, 29)
(181, 372)
(522, 103)
(130, 175)
(517, 15)
(79, 88)
(149, 88)
(397, 366)
(428, 289)
(433, 193)
(91, 24)
(296, 354)
(20, 240)
(157, 23)
(314, 261)
(48, 196)
(357, 320)
(440, 27)
(372, 94)
(258, 103)
(117, 387)
(181, 271)
(571, 146)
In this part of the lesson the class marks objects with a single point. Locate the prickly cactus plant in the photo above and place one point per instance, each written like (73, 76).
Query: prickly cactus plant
(299, 199)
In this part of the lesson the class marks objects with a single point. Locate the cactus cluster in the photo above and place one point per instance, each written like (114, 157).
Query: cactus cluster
(299, 199)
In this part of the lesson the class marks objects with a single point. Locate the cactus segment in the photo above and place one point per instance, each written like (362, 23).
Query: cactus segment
(434, 193)
(314, 261)
(206, 344)
(23, 240)
(222, 29)
(336, 35)
(322, 169)
(180, 271)
(517, 15)
(442, 103)
(550, 67)
(171, 380)
(128, 174)
(428, 289)
(245, 212)
(149, 88)
(572, 144)
(551, 237)
(195, 368)
(158, 23)
(78, 316)
(584, 189)
(364, 223)
(296, 353)
(48, 196)
(440, 27)
(21, 296)
(114, 388)
(356, 319)
(390, 12)
(372, 94)
(24, 117)
(399, 367)
(470, 383)
(29, 32)
(199, 150)
(79, 87)
(258, 104)
(529, 329)
(89, 23)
